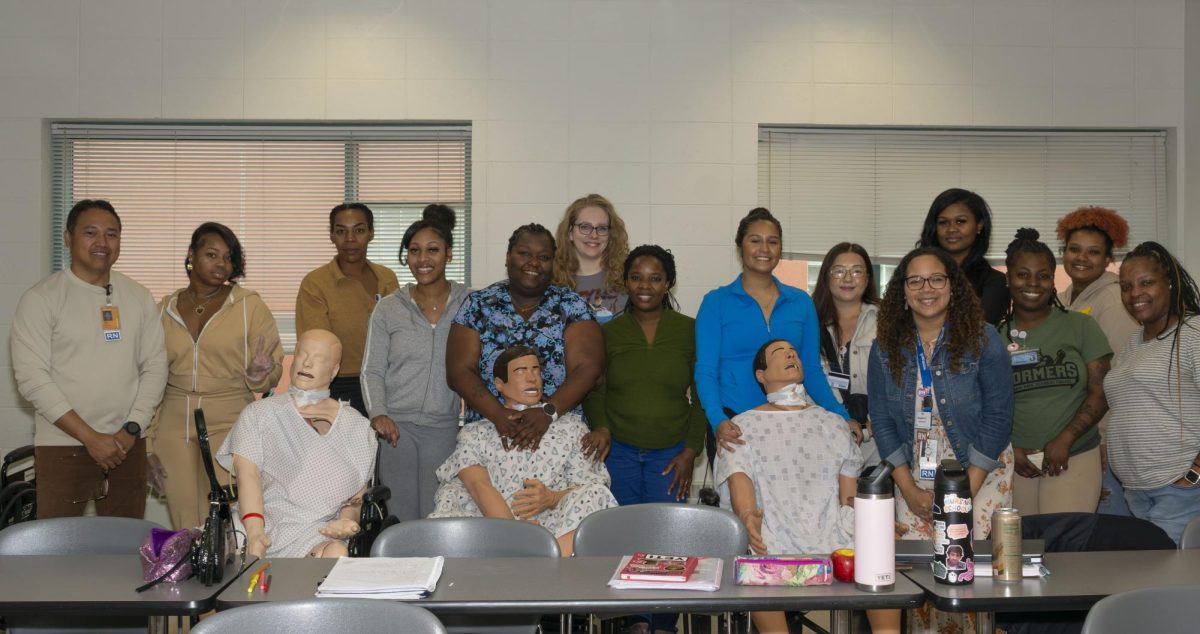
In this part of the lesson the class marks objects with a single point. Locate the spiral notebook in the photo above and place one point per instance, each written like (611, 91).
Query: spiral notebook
(382, 577)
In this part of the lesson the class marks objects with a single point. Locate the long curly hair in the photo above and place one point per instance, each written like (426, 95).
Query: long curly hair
(566, 264)
(964, 319)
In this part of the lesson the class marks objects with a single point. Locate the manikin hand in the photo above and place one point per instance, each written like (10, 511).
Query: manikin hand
(257, 543)
(339, 529)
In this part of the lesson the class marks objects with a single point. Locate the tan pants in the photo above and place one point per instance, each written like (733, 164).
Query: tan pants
(1076, 490)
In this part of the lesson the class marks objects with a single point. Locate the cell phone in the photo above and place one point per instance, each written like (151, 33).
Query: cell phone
(1036, 458)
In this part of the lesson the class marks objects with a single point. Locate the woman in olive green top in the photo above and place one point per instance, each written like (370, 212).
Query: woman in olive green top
(644, 427)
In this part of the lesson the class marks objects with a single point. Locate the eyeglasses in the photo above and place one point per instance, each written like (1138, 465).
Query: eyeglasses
(937, 282)
(588, 229)
(840, 272)
(99, 492)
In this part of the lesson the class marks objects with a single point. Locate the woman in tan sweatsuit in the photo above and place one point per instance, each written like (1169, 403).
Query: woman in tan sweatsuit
(222, 348)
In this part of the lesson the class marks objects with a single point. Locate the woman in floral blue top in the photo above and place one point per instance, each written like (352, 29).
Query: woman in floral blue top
(525, 310)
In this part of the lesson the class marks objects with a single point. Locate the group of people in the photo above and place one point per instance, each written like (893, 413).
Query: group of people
(584, 387)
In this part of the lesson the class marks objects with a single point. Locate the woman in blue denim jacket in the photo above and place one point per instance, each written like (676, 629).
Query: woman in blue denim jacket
(940, 386)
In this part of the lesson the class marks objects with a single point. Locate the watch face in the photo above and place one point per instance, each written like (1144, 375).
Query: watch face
(1192, 476)
(132, 428)
(549, 409)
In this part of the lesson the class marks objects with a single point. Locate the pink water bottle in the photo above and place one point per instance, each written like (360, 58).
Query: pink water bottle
(875, 530)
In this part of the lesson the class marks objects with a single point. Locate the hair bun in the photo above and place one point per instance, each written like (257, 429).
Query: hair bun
(1028, 233)
(439, 214)
(760, 213)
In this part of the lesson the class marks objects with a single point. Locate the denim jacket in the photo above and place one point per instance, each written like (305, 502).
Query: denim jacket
(975, 404)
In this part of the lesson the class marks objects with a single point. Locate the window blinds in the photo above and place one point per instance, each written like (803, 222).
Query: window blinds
(874, 187)
(273, 185)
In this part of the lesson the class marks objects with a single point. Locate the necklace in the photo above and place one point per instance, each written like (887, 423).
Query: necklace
(200, 308)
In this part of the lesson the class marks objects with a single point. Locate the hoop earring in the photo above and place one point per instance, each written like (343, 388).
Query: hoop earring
(188, 265)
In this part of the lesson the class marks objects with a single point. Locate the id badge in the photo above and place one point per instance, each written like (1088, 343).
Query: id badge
(110, 323)
(924, 420)
(1025, 357)
(927, 452)
(839, 380)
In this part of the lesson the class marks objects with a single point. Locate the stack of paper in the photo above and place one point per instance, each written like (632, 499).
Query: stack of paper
(1028, 569)
(382, 577)
(706, 577)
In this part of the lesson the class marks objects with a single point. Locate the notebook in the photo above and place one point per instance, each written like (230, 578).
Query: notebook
(382, 577)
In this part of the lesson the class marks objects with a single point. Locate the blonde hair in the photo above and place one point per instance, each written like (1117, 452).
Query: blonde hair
(566, 264)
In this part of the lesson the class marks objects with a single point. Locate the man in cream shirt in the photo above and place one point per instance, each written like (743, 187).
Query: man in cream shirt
(87, 352)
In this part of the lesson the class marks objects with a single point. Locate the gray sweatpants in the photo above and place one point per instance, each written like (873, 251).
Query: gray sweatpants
(408, 468)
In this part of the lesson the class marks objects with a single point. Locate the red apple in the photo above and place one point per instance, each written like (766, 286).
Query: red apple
(843, 564)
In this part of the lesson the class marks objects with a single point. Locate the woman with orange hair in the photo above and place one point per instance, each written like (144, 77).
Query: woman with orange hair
(592, 261)
(1089, 235)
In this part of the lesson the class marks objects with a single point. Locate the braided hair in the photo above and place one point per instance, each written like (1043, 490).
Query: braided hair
(532, 228)
(664, 258)
(1184, 302)
(1026, 242)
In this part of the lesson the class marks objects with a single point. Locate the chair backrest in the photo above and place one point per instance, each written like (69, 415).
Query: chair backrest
(1078, 532)
(76, 536)
(668, 529)
(1191, 536)
(1162, 609)
(462, 537)
(323, 615)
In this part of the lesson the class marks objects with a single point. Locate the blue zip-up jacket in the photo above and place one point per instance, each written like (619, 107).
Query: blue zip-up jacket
(729, 331)
(975, 403)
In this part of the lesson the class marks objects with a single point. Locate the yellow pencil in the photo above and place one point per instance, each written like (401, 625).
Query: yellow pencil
(253, 582)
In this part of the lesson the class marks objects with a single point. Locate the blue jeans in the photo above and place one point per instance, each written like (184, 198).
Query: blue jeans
(637, 479)
(1170, 507)
(1114, 504)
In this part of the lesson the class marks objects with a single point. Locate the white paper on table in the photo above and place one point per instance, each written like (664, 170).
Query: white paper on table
(706, 578)
(382, 577)
(1027, 570)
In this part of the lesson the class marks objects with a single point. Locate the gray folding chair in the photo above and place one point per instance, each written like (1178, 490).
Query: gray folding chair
(466, 537)
(318, 616)
(75, 536)
(1162, 610)
(1191, 536)
(667, 529)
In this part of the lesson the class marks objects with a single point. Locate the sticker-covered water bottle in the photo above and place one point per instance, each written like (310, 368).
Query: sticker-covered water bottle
(953, 521)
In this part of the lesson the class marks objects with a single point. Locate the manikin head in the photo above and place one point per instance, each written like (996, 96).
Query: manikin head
(518, 376)
(318, 357)
(777, 366)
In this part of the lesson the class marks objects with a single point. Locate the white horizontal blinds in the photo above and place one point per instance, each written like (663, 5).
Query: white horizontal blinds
(398, 185)
(274, 186)
(876, 187)
(822, 189)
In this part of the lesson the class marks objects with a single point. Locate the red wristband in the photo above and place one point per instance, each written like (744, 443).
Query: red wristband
(258, 515)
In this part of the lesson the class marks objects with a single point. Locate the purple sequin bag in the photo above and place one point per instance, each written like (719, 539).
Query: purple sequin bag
(167, 555)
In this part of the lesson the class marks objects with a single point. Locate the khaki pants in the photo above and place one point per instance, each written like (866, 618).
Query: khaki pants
(1076, 490)
(68, 478)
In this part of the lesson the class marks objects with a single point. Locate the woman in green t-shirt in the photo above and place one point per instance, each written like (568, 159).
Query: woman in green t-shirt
(1059, 359)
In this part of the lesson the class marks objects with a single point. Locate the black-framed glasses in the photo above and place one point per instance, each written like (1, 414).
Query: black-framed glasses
(937, 282)
(855, 272)
(99, 491)
(587, 229)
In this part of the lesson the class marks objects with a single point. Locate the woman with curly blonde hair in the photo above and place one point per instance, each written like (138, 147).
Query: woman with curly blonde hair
(592, 264)
(939, 386)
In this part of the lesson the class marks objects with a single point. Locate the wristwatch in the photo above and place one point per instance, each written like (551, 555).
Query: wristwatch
(132, 428)
(550, 410)
(1193, 475)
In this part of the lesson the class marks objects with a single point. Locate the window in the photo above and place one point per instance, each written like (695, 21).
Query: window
(273, 185)
(874, 187)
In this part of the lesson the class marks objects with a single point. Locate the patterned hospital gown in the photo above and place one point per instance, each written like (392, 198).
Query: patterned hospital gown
(306, 477)
(558, 462)
(794, 459)
(490, 313)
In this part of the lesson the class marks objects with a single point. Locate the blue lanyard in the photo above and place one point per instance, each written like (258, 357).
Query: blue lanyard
(926, 390)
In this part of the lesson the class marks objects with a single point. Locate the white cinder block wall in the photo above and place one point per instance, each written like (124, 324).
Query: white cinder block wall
(653, 103)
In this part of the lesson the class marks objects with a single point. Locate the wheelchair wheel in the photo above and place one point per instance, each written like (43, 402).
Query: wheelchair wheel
(18, 503)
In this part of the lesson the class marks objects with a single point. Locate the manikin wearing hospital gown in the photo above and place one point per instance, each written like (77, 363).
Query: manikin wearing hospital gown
(553, 485)
(302, 460)
(791, 474)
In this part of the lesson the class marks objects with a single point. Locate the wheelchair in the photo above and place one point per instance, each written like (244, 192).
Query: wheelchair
(18, 497)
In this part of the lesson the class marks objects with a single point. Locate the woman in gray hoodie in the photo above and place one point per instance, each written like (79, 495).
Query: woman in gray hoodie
(404, 368)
